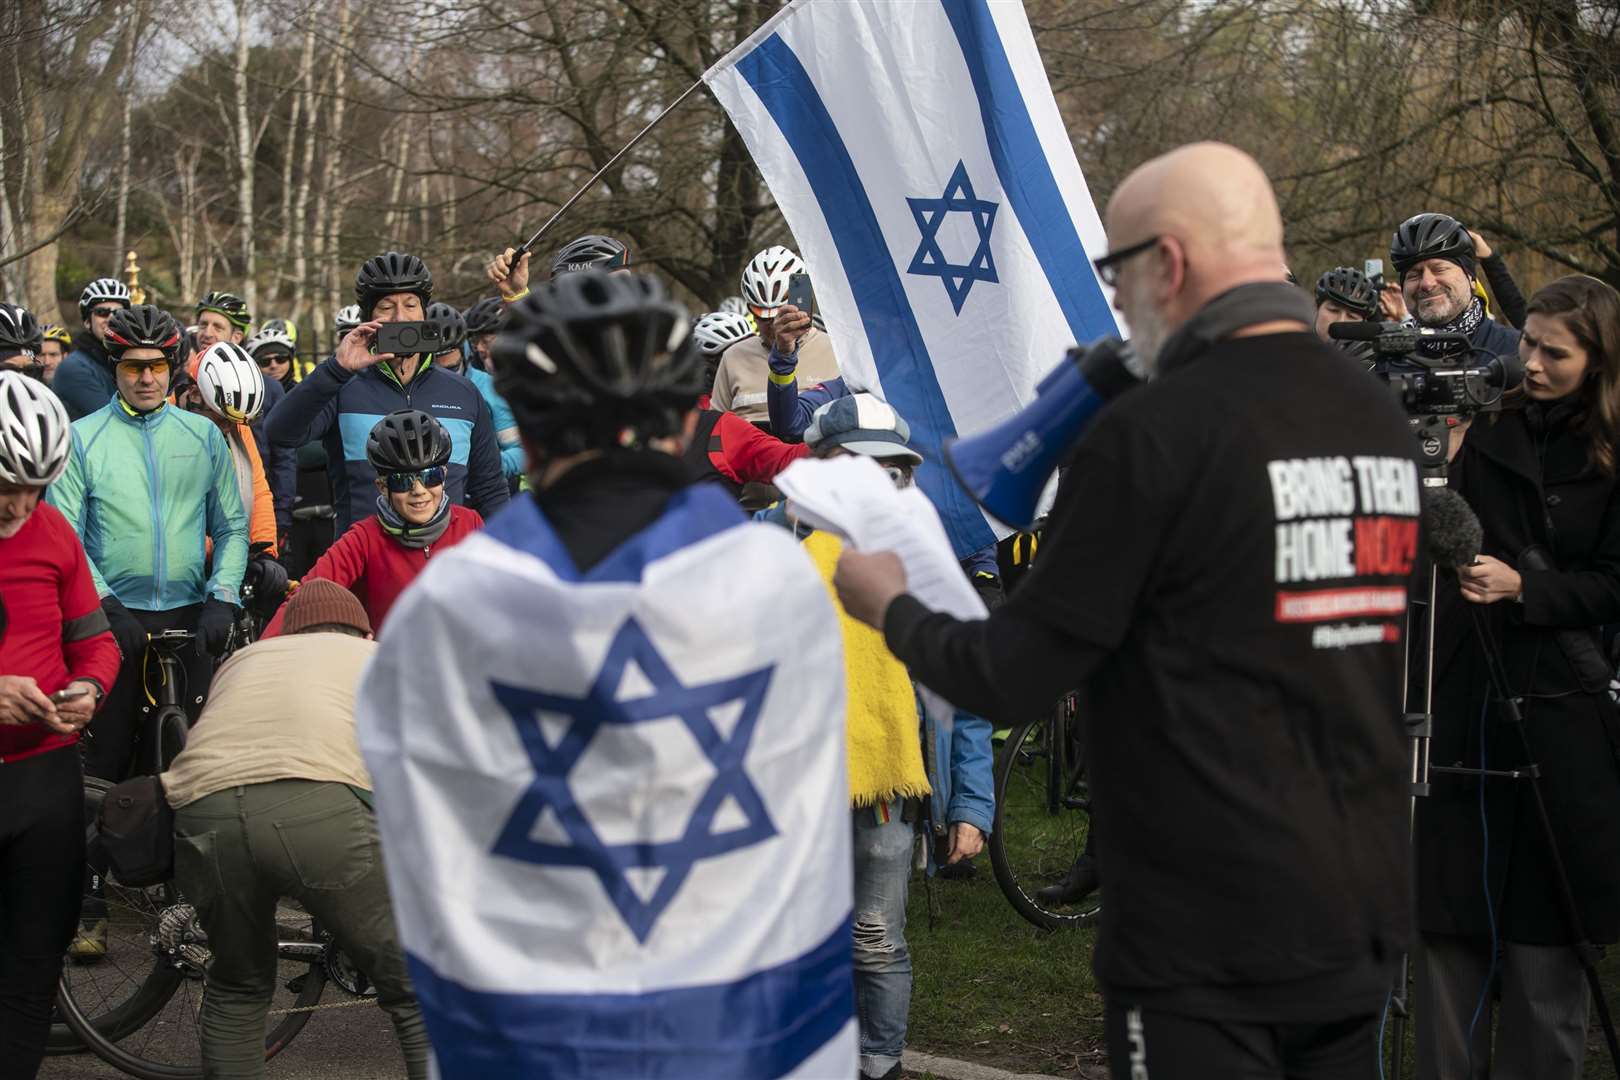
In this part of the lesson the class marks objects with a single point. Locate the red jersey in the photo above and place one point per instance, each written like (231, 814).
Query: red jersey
(376, 567)
(54, 628)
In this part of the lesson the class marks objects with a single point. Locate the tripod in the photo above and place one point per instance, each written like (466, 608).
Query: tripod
(1420, 728)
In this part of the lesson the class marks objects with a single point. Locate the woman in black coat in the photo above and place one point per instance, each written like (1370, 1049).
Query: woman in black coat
(1541, 475)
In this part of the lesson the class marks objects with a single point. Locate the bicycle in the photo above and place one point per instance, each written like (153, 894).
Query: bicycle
(1043, 816)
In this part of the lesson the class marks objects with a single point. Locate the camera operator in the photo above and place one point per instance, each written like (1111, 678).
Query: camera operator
(1221, 577)
(1344, 294)
(1541, 477)
(1437, 260)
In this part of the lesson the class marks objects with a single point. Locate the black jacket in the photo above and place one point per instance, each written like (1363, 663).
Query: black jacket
(1530, 482)
(1241, 681)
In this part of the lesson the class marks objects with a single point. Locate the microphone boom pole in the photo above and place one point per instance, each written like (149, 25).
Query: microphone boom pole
(528, 245)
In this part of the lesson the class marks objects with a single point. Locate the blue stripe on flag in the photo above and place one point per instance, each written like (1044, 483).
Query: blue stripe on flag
(692, 515)
(903, 363)
(762, 1025)
(1026, 175)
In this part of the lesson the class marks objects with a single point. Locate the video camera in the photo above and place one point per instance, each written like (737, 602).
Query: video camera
(1434, 373)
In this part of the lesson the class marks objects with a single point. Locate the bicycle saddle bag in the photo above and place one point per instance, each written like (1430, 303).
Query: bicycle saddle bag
(136, 828)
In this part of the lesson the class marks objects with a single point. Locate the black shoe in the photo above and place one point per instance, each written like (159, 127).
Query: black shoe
(960, 870)
(1080, 882)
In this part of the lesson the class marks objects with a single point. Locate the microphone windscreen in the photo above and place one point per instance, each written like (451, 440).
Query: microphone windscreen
(1451, 529)
(1355, 331)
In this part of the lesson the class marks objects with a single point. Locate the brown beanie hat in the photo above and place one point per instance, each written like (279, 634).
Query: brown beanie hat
(319, 602)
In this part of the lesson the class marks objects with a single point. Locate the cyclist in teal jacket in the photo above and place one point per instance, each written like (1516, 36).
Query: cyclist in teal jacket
(147, 487)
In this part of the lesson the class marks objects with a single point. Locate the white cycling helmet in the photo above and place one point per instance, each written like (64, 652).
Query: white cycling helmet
(270, 335)
(107, 288)
(347, 319)
(734, 304)
(719, 330)
(765, 280)
(34, 432)
(230, 382)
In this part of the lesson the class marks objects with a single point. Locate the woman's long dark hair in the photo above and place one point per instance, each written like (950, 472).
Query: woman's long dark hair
(1590, 310)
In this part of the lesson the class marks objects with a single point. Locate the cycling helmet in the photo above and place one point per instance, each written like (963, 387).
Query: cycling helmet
(484, 317)
(719, 330)
(271, 341)
(230, 382)
(389, 273)
(590, 253)
(286, 327)
(1349, 288)
(19, 331)
(406, 441)
(765, 280)
(142, 327)
(452, 327)
(107, 288)
(58, 333)
(233, 307)
(736, 305)
(1431, 236)
(595, 360)
(34, 432)
(347, 319)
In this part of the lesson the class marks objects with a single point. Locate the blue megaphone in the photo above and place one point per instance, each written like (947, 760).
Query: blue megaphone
(1006, 468)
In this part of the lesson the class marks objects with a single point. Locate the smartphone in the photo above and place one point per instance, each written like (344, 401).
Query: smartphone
(1374, 270)
(799, 294)
(406, 338)
(69, 693)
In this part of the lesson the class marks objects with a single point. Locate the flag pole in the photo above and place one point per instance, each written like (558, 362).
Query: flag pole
(528, 245)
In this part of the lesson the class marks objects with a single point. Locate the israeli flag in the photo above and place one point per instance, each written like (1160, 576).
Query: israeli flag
(614, 803)
(918, 156)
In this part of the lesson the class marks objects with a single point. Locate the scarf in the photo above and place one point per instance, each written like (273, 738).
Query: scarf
(1466, 323)
(413, 536)
(881, 726)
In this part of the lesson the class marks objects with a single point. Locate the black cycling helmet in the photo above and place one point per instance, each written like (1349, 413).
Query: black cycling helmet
(1349, 288)
(389, 273)
(485, 316)
(19, 331)
(142, 327)
(233, 307)
(406, 441)
(592, 252)
(586, 359)
(452, 327)
(1431, 236)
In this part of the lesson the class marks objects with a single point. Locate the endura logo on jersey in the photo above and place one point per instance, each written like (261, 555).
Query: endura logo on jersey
(632, 834)
(1348, 520)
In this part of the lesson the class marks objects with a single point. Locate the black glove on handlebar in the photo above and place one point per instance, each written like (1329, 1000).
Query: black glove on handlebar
(214, 625)
(126, 629)
(269, 580)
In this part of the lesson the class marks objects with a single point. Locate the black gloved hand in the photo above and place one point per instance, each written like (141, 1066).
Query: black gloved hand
(214, 625)
(127, 631)
(269, 580)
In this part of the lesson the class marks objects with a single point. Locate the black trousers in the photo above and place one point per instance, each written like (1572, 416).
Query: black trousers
(113, 738)
(41, 875)
(1148, 1045)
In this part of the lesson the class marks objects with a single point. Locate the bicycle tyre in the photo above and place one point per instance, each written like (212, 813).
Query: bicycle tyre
(1024, 749)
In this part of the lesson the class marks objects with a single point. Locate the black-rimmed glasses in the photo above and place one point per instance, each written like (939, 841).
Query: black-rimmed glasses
(1108, 265)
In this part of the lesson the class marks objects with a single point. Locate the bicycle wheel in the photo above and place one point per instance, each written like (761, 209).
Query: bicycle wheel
(1042, 819)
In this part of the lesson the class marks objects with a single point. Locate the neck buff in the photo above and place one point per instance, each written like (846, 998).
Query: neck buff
(413, 536)
(1472, 316)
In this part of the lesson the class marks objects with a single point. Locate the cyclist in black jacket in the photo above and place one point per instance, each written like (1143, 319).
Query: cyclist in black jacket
(1436, 261)
(1223, 578)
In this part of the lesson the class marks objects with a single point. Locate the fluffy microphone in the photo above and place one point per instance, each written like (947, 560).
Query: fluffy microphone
(1451, 530)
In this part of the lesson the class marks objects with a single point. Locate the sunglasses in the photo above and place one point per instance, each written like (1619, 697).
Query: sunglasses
(401, 482)
(1108, 266)
(266, 361)
(105, 312)
(133, 368)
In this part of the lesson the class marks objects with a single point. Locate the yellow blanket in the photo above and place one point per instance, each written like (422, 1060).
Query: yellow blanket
(885, 747)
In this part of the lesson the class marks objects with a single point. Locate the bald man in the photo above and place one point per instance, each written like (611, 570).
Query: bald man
(1223, 579)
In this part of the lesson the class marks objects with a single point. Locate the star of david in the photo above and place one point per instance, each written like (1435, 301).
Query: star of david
(930, 214)
(667, 698)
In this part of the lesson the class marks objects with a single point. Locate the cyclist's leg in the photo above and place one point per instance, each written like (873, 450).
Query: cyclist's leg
(331, 863)
(215, 868)
(41, 860)
(882, 960)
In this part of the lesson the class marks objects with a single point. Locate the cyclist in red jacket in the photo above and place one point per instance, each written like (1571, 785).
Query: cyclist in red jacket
(58, 657)
(381, 555)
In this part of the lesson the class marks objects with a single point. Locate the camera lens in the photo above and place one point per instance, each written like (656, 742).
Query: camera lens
(409, 338)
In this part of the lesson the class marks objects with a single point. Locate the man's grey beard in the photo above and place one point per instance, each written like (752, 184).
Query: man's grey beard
(1149, 332)
(1454, 310)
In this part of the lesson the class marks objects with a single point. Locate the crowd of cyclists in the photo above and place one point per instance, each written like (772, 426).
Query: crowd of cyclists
(159, 473)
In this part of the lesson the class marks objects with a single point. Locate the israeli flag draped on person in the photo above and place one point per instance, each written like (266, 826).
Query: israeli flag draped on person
(918, 156)
(614, 803)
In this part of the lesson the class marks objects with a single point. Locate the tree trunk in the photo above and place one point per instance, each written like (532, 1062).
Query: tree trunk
(244, 162)
(121, 230)
(298, 224)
